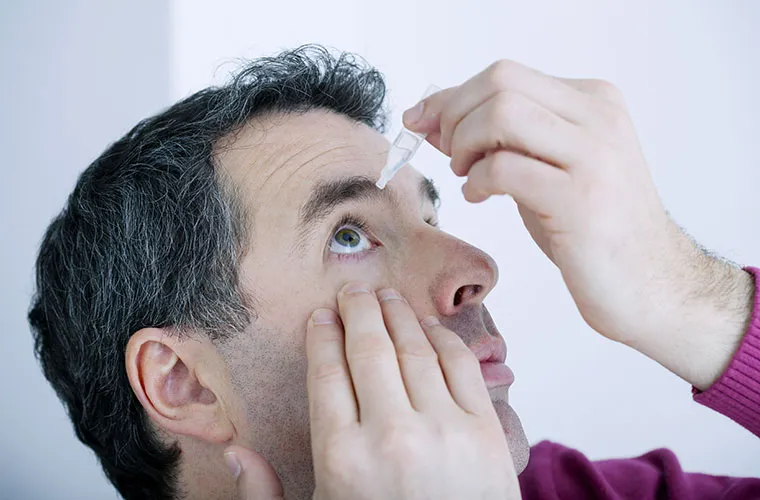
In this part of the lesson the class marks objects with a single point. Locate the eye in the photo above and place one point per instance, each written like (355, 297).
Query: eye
(432, 221)
(349, 239)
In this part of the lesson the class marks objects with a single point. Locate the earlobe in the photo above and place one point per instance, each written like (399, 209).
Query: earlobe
(167, 376)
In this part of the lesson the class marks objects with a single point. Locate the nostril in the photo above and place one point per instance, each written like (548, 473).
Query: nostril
(458, 296)
(466, 292)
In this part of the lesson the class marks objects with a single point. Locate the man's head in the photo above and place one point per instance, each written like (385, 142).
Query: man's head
(174, 288)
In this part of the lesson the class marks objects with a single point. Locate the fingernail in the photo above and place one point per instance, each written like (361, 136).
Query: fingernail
(232, 463)
(413, 115)
(430, 321)
(388, 294)
(355, 287)
(323, 317)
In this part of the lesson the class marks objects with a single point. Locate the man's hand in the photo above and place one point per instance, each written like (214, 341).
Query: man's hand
(567, 152)
(398, 410)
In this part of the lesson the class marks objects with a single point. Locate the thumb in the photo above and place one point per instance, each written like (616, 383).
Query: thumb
(255, 478)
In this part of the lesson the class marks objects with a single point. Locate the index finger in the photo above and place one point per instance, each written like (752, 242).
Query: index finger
(425, 117)
(332, 403)
(443, 112)
(371, 355)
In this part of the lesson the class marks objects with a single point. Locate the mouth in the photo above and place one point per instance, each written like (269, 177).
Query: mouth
(492, 355)
(476, 328)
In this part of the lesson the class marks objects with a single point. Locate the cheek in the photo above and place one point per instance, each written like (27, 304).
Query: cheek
(268, 376)
(291, 304)
(372, 270)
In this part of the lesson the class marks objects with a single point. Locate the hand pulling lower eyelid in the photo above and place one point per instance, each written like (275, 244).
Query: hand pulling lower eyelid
(403, 148)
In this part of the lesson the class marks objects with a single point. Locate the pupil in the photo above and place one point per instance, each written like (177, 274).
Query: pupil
(348, 237)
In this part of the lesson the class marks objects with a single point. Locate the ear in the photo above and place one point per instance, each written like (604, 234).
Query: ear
(179, 383)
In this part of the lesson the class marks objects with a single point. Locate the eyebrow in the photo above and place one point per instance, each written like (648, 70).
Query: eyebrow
(329, 195)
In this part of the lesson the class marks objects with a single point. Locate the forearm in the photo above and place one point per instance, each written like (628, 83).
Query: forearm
(697, 322)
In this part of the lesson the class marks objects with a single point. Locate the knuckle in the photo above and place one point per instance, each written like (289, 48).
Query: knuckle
(327, 372)
(369, 349)
(495, 170)
(509, 110)
(399, 442)
(428, 373)
(447, 121)
(464, 357)
(615, 118)
(418, 354)
(607, 90)
(501, 73)
(461, 355)
(506, 106)
(512, 169)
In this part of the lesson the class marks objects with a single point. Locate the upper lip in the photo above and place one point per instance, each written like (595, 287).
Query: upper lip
(493, 351)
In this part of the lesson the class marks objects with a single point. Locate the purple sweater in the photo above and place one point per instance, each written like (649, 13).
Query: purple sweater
(557, 472)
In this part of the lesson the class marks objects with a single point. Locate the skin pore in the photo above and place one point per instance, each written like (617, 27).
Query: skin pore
(316, 221)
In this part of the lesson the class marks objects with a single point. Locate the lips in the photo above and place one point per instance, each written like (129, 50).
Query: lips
(492, 355)
(496, 375)
(494, 350)
(479, 332)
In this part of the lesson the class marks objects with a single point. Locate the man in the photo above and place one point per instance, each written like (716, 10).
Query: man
(176, 289)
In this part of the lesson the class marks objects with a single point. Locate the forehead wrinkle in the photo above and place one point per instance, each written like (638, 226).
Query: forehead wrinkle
(286, 161)
(331, 150)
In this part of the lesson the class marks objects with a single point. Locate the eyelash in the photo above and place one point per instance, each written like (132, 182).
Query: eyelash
(361, 224)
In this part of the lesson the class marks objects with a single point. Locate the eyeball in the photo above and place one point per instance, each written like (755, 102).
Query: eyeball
(349, 240)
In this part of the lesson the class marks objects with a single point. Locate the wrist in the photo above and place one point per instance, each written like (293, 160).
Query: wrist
(699, 315)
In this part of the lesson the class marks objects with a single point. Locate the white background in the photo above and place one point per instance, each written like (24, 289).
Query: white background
(78, 77)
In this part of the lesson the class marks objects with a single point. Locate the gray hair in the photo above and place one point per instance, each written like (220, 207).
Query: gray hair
(151, 236)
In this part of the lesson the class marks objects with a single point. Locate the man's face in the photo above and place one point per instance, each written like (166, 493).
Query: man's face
(317, 222)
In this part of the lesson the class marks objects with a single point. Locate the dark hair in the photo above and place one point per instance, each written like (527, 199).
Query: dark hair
(151, 236)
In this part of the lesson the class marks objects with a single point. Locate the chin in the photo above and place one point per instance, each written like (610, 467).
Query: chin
(513, 430)
(517, 440)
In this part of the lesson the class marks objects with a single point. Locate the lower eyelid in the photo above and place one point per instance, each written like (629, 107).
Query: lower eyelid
(358, 256)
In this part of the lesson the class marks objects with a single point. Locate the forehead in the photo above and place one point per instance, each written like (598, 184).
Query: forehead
(275, 161)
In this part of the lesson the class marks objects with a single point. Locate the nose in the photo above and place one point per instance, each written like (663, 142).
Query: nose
(466, 276)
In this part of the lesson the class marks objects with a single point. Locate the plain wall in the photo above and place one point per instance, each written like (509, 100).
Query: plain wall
(77, 75)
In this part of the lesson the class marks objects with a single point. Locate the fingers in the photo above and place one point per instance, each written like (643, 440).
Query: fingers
(425, 116)
(512, 121)
(442, 112)
(599, 89)
(255, 478)
(332, 403)
(460, 367)
(390, 365)
(511, 106)
(508, 76)
(371, 355)
(529, 181)
(418, 360)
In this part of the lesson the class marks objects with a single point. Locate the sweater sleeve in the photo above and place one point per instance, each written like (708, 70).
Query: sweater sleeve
(556, 472)
(736, 394)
